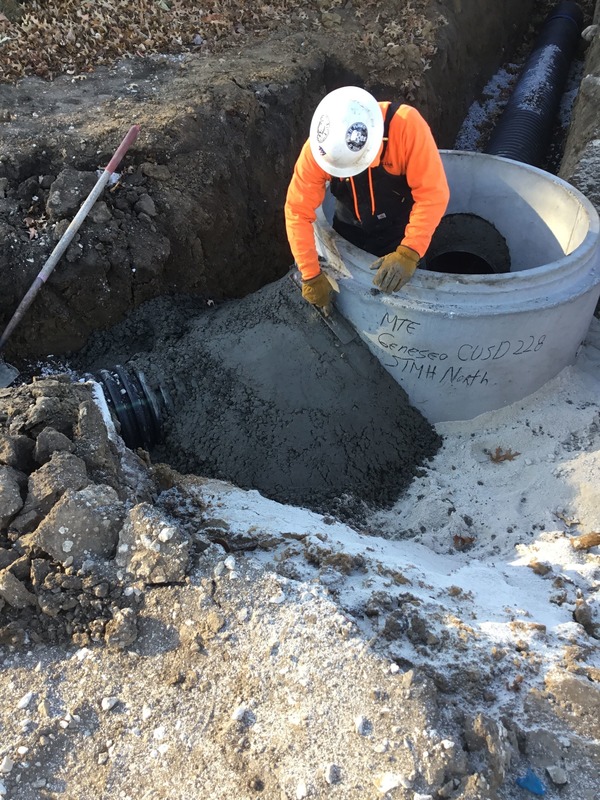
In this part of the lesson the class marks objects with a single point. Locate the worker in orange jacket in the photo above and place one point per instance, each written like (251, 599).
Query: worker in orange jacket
(387, 177)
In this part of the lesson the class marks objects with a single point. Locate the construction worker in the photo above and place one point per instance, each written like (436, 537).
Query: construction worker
(387, 177)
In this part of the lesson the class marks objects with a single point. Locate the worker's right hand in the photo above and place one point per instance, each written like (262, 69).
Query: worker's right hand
(317, 291)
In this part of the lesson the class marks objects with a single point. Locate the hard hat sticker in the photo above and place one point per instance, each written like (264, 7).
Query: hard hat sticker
(323, 128)
(356, 136)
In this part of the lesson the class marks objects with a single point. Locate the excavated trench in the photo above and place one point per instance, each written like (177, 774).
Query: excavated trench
(180, 272)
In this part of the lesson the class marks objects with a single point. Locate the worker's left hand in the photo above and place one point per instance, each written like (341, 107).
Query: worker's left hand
(395, 269)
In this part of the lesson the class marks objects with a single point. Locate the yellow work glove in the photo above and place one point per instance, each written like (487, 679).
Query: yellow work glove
(317, 291)
(395, 269)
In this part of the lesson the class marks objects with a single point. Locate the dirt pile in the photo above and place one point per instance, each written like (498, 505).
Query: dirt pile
(265, 396)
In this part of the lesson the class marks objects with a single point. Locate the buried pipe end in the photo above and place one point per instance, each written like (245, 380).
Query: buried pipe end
(139, 406)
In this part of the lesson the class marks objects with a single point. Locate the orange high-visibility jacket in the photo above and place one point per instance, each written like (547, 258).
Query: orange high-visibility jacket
(411, 151)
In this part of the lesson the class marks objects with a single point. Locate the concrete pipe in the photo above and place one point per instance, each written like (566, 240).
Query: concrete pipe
(463, 344)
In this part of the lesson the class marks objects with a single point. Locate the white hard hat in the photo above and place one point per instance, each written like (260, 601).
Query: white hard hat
(346, 131)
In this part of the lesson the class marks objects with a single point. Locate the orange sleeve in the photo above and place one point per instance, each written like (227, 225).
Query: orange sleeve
(304, 195)
(415, 153)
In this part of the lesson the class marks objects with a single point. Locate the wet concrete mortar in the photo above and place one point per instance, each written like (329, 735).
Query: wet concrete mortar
(122, 628)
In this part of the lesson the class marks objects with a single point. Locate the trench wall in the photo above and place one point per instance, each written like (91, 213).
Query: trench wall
(581, 162)
(228, 135)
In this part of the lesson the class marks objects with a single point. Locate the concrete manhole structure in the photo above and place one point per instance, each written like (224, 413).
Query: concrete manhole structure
(463, 344)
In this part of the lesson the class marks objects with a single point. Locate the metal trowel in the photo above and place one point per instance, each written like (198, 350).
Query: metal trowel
(339, 326)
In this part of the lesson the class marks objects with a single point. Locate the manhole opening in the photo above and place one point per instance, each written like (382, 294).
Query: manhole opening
(459, 262)
(467, 244)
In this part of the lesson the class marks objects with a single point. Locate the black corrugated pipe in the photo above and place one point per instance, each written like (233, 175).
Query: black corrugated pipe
(140, 408)
(525, 127)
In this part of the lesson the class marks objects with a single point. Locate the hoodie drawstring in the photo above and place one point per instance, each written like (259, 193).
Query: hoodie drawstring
(355, 197)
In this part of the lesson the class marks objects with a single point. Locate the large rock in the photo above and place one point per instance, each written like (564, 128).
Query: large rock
(48, 402)
(82, 524)
(68, 192)
(16, 451)
(106, 457)
(47, 484)
(11, 501)
(152, 548)
(487, 734)
(14, 592)
(51, 441)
